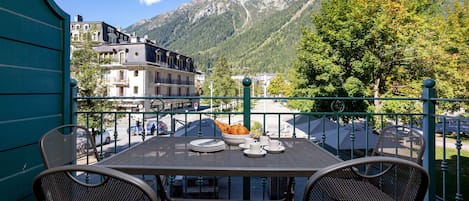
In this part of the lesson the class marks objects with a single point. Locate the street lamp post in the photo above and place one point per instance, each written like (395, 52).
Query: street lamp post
(211, 95)
(265, 92)
(265, 100)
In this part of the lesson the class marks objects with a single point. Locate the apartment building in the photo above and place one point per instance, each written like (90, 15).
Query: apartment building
(143, 69)
(101, 32)
(138, 67)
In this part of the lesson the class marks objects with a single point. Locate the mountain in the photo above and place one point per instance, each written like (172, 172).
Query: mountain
(253, 35)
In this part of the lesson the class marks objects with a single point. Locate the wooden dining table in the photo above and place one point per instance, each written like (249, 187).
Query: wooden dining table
(174, 156)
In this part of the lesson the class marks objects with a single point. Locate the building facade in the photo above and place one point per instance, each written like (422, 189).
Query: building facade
(143, 69)
(138, 67)
(101, 32)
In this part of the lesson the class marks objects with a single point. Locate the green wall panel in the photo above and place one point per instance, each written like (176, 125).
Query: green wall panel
(22, 107)
(26, 131)
(22, 168)
(34, 88)
(24, 121)
(23, 31)
(33, 56)
(39, 10)
(16, 161)
(27, 81)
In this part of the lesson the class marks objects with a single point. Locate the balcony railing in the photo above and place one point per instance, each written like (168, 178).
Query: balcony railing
(444, 161)
(173, 81)
(120, 82)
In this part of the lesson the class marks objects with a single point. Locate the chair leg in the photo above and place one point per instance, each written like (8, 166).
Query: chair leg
(290, 194)
(160, 189)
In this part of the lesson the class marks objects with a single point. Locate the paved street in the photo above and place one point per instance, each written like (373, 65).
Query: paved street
(205, 126)
(202, 124)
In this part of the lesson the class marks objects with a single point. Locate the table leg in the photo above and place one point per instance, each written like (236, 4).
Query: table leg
(246, 188)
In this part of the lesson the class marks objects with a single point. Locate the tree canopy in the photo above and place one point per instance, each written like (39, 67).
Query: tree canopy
(223, 85)
(90, 78)
(381, 48)
(279, 85)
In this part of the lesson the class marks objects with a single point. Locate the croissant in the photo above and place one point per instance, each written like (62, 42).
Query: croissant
(235, 129)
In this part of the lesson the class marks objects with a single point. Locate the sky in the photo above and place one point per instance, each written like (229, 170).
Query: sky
(118, 13)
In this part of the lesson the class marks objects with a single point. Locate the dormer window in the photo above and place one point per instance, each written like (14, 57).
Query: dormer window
(122, 57)
(158, 55)
(94, 36)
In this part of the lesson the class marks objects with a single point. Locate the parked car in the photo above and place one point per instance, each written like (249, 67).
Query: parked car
(134, 130)
(452, 127)
(105, 139)
(160, 129)
(99, 138)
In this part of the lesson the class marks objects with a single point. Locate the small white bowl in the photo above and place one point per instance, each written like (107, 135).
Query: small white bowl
(233, 139)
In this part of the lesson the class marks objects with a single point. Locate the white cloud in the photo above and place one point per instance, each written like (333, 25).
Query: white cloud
(149, 2)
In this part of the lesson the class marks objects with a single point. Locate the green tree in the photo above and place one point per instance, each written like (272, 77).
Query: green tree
(223, 85)
(357, 49)
(279, 85)
(90, 77)
(442, 53)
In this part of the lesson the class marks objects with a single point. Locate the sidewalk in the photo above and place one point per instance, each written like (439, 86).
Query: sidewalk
(450, 143)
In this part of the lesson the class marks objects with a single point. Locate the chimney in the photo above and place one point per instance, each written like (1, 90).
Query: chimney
(78, 18)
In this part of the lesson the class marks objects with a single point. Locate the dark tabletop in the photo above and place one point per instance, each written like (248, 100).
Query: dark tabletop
(172, 156)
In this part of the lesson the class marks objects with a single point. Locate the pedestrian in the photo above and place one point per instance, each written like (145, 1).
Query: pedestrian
(152, 129)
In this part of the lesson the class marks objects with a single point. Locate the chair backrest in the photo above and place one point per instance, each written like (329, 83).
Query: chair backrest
(390, 178)
(91, 183)
(402, 142)
(64, 144)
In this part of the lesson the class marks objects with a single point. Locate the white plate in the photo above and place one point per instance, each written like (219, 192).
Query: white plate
(207, 145)
(244, 146)
(248, 153)
(279, 149)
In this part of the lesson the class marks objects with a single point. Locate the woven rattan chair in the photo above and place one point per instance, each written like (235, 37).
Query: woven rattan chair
(372, 178)
(402, 142)
(62, 146)
(90, 183)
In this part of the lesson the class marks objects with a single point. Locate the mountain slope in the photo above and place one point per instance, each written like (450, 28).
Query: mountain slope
(258, 34)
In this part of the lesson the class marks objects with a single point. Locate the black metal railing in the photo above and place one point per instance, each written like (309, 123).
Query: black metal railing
(358, 127)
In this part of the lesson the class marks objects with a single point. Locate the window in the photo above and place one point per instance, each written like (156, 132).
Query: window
(170, 61)
(86, 27)
(179, 79)
(158, 55)
(136, 73)
(187, 92)
(122, 57)
(170, 81)
(94, 36)
(121, 75)
(157, 77)
(179, 91)
(121, 91)
(157, 91)
(135, 89)
(169, 91)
